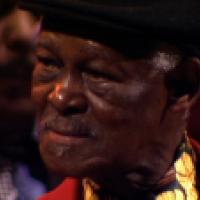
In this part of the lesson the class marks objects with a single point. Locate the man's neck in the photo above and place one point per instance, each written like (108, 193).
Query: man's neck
(178, 181)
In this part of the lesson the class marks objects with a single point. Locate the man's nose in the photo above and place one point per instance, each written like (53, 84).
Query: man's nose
(68, 98)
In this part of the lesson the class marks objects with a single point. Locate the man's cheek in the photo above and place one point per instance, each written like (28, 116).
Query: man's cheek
(103, 111)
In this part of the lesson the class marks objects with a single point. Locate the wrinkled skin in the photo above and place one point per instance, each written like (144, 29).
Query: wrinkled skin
(104, 115)
(18, 34)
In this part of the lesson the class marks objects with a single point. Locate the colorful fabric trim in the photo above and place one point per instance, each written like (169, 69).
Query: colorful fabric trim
(185, 187)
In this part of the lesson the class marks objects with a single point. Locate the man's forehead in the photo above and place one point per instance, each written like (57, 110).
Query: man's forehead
(62, 45)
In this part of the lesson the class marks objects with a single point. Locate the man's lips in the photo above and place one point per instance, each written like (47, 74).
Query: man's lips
(72, 130)
(69, 133)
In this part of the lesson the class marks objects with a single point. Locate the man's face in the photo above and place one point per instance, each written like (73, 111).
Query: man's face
(18, 33)
(98, 111)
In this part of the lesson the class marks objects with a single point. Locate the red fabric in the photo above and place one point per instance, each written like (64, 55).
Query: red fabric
(196, 146)
(70, 189)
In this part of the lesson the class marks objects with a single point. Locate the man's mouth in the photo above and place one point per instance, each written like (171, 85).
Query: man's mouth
(72, 133)
(74, 129)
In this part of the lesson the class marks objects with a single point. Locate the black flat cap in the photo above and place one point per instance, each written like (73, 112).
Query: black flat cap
(173, 20)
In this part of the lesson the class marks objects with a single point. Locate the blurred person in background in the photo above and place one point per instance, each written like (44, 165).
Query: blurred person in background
(21, 171)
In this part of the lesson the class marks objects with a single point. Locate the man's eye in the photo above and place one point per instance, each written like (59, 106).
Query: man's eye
(99, 75)
(47, 69)
(49, 62)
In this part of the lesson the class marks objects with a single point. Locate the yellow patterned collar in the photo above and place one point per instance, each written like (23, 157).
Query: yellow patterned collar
(184, 188)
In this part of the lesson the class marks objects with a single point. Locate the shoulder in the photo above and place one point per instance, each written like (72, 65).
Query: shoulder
(68, 190)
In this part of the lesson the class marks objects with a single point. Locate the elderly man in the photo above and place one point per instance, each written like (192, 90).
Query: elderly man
(18, 151)
(113, 86)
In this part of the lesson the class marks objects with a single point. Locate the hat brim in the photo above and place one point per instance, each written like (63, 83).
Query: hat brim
(161, 21)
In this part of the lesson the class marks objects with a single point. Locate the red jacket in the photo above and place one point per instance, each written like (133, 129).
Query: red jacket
(70, 189)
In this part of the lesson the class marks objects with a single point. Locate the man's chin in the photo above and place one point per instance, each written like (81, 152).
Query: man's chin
(73, 165)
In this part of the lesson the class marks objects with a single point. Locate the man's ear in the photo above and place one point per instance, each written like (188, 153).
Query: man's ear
(184, 79)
